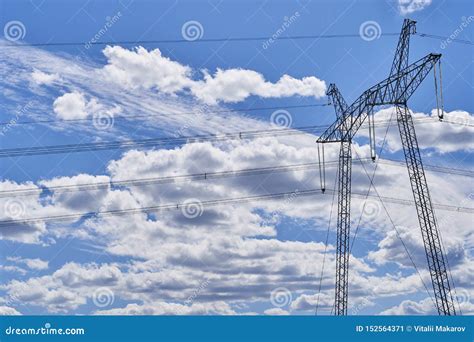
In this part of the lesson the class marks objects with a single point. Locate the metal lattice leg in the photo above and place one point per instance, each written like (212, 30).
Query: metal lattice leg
(426, 217)
(343, 229)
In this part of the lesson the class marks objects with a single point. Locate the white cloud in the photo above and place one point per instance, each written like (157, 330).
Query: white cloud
(236, 85)
(455, 134)
(141, 68)
(74, 105)
(276, 312)
(145, 69)
(40, 77)
(164, 308)
(33, 264)
(224, 246)
(409, 6)
(8, 311)
(410, 307)
(71, 106)
(65, 289)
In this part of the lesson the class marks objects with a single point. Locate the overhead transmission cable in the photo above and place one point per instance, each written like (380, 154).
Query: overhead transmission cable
(162, 141)
(207, 176)
(381, 199)
(222, 39)
(216, 202)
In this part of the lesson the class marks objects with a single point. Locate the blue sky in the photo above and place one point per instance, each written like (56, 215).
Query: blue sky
(263, 257)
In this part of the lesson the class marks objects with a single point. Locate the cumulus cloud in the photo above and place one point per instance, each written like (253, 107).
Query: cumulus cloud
(74, 105)
(229, 255)
(236, 85)
(145, 69)
(65, 289)
(40, 77)
(71, 106)
(8, 311)
(33, 264)
(410, 307)
(164, 308)
(276, 312)
(455, 134)
(409, 6)
(141, 68)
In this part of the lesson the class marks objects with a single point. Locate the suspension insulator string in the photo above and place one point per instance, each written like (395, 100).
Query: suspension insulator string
(441, 91)
(372, 133)
(436, 92)
(322, 168)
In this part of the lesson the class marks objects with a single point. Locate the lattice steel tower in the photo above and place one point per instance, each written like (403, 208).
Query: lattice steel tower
(395, 90)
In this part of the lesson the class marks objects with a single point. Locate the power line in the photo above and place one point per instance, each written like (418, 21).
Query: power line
(371, 179)
(455, 40)
(126, 117)
(162, 180)
(202, 40)
(209, 176)
(217, 202)
(372, 185)
(164, 141)
(229, 39)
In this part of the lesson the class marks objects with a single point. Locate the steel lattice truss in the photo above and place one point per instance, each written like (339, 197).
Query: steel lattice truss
(395, 90)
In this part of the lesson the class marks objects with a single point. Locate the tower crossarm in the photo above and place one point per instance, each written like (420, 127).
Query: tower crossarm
(340, 105)
(394, 90)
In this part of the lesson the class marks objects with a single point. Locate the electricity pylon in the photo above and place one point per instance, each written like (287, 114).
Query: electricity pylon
(395, 90)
